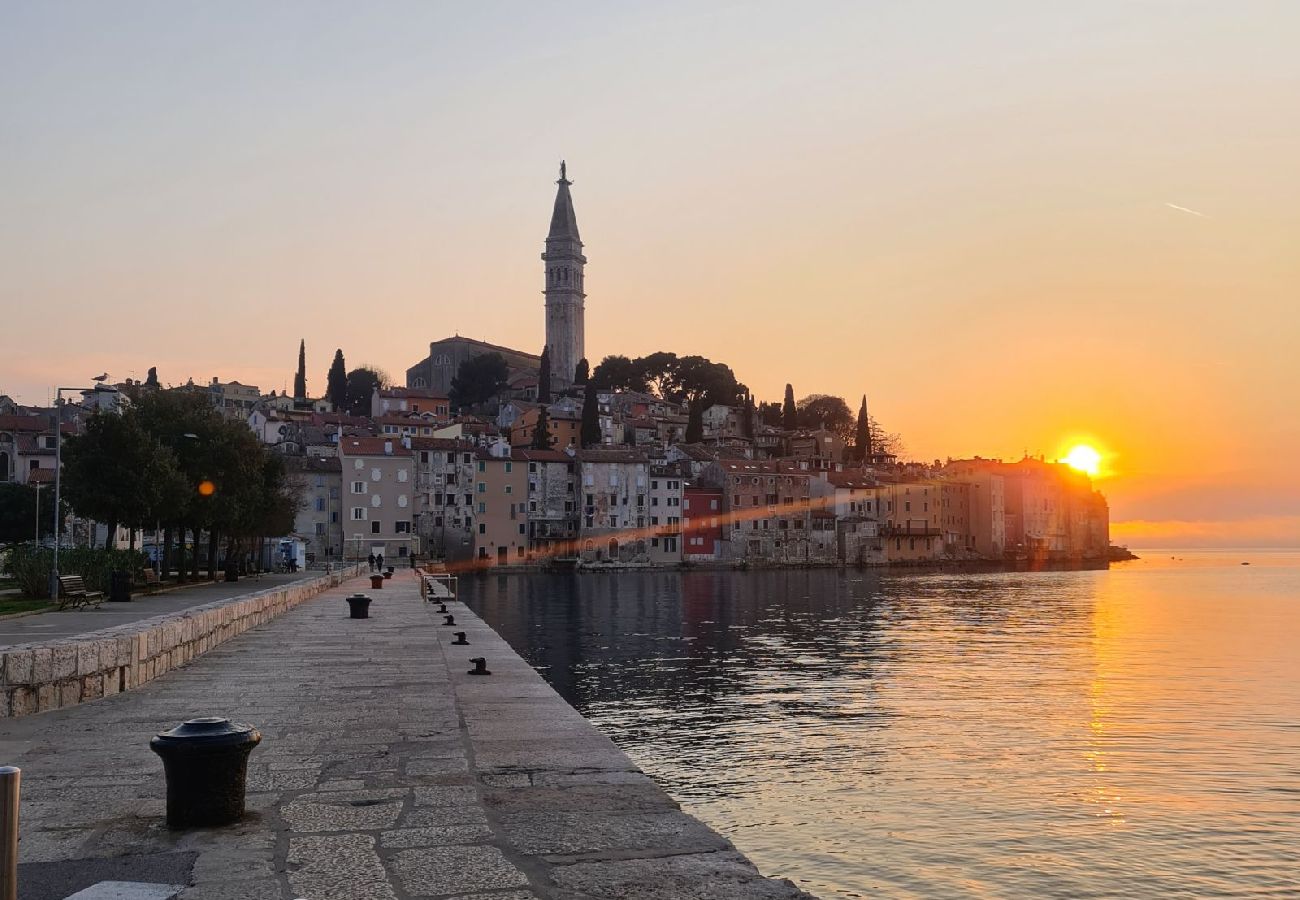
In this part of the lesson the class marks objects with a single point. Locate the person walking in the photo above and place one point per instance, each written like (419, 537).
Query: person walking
(379, 562)
(371, 560)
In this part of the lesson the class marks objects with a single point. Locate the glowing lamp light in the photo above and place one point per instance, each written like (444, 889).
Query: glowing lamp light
(1083, 459)
(207, 488)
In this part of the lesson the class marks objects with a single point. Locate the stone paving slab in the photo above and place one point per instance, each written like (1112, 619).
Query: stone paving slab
(386, 772)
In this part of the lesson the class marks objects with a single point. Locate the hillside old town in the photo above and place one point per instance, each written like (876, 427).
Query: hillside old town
(489, 456)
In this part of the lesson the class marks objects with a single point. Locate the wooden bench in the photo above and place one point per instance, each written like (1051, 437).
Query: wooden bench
(151, 579)
(73, 593)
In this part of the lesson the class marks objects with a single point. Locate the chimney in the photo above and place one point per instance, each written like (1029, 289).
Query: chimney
(388, 448)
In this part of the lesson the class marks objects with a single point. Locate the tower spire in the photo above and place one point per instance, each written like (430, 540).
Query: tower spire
(564, 286)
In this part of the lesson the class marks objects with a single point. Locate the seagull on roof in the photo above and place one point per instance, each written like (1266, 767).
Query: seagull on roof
(103, 377)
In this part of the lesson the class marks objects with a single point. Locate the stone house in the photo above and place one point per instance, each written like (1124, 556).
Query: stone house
(702, 512)
(500, 507)
(379, 492)
(444, 482)
(768, 511)
(319, 520)
(665, 512)
(552, 502)
(614, 495)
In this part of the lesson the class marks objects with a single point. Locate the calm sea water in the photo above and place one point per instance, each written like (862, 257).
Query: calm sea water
(1070, 734)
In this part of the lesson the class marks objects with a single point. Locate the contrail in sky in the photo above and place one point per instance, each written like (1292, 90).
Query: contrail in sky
(1186, 210)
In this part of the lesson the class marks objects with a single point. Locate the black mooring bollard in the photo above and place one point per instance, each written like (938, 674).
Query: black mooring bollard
(442, 607)
(206, 765)
(358, 606)
(480, 666)
(451, 620)
(460, 638)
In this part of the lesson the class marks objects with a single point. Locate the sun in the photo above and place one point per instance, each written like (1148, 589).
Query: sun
(1084, 458)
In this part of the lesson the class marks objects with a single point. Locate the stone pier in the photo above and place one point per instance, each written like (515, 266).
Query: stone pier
(386, 772)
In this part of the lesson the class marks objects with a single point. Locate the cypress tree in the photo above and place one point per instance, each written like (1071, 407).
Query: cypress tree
(300, 380)
(582, 374)
(863, 437)
(747, 422)
(590, 434)
(544, 377)
(789, 413)
(695, 422)
(542, 439)
(337, 383)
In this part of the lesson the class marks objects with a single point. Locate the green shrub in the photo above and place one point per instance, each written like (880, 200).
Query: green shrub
(31, 566)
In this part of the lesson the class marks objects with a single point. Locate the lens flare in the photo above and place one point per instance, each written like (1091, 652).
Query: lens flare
(207, 488)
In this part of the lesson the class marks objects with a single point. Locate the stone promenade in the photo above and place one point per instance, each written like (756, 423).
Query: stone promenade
(54, 624)
(386, 772)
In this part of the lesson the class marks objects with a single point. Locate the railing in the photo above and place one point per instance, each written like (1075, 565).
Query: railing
(448, 584)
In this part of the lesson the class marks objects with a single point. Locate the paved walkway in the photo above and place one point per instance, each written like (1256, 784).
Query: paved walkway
(386, 772)
(54, 624)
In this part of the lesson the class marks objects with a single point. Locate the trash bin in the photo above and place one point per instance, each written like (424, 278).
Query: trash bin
(119, 586)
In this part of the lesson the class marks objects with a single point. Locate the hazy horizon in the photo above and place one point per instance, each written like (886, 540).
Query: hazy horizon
(1012, 227)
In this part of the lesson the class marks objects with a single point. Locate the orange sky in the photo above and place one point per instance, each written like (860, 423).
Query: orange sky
(1008, 225)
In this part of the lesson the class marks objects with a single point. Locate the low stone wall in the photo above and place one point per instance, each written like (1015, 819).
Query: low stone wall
(40, 676)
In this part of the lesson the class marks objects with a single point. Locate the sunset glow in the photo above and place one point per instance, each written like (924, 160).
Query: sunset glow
(1084, 458)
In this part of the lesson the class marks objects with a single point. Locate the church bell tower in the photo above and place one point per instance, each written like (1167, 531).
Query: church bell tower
(564, 288)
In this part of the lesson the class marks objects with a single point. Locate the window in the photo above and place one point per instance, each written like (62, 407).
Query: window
(320, 504)
(509, 488)
(376, 474)
(482, 528)
(334, 516)
(509, 467)
(482, 487)
(374, 527)
(482, 466)
(521, 531)
(482, 507)
(402, 527)
(358, 514)
(320, 528)
(358, 487)
(402, 474)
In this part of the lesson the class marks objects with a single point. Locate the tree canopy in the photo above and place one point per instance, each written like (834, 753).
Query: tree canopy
(825, 411)
(336, 383)
(361, 385)
(170, 457)
(18, 504)
(789, 412)
(479, 379)
(677, 379)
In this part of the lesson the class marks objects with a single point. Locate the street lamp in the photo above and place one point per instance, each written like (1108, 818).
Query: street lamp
(58, 478)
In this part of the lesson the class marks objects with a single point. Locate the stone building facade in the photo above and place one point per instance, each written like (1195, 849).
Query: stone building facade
(378, 478)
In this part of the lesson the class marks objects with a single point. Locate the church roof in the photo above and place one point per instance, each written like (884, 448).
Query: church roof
(564, 222)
